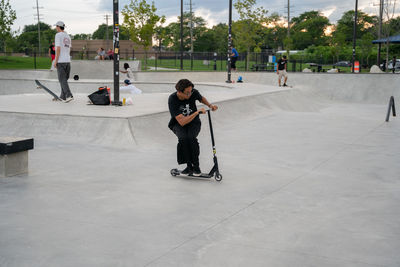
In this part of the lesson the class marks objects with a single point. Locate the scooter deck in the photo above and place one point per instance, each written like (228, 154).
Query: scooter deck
(39, 85)
(176, 172)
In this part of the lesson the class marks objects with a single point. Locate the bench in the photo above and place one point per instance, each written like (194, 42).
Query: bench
(14, 155)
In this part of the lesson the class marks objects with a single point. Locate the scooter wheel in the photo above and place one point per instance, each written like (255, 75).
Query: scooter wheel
(218, 177)
(174, 172)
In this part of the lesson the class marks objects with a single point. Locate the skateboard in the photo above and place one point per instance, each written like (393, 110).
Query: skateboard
(41, 86)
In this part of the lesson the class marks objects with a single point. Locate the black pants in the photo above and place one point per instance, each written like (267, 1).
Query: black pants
(188, 149)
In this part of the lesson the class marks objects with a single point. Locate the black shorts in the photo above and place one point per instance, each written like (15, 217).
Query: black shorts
(233, 62)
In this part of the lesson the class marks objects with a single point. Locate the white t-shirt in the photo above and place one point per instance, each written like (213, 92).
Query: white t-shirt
(129, 73)
(64, 42)
(131, 88)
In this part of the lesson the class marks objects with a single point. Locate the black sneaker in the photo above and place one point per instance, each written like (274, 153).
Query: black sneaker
(187, 170)
(285, 85)
(196, 170)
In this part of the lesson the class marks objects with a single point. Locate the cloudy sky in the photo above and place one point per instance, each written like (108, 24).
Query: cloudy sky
(83, 16)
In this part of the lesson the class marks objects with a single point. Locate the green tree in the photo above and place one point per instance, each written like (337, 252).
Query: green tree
(389, 12)
(337, 43)
(82, 36)
(213, 40)
(247, 30)
(173, 32)
(28, 39)
(275, 33)
(365, 23)
(160, 35)
(101, 33)
(308, 29)
(7, 17)
(141, 20)
(366, 47)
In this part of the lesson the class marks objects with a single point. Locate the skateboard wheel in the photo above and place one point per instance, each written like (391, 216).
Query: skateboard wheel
(174, 172)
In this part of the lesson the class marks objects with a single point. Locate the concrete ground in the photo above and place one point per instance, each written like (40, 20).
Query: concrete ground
(310, 178)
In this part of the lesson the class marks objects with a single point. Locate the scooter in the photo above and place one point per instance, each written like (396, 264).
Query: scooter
(215, 170)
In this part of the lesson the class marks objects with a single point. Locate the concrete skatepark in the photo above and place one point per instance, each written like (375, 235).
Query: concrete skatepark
(310, 174)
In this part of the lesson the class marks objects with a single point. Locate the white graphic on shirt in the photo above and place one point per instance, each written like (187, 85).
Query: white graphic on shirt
(186, 111)
(67, 42)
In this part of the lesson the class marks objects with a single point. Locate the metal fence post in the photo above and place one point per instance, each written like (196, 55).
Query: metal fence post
(155, 58)
(34, 59)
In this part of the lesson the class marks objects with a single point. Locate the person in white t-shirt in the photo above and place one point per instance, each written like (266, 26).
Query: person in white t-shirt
(129, 87)
(127, 71)
(63, 60)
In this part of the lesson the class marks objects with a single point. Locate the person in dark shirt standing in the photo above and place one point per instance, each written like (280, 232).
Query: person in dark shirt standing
(394, 62)
(186, 124)
(281, 71)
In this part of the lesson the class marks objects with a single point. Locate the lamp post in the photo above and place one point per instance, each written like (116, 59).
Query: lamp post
(181, 34)
(116, 101)
(215, 61)
(229, 42)
(354, 35)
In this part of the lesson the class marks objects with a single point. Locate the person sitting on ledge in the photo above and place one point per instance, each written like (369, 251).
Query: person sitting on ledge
(129, 87)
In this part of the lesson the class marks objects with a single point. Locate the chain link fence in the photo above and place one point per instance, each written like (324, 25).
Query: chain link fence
(198, 61)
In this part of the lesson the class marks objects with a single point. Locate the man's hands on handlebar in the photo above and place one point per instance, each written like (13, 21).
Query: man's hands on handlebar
(212, 107)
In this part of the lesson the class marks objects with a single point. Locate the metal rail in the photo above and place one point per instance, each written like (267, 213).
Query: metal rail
(391, 108)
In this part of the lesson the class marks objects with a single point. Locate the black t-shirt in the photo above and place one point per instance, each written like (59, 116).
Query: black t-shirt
(185, 107)
(52, 49)
(281, 64)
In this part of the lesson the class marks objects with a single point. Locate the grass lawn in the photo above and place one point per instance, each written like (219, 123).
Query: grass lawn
(11, 63)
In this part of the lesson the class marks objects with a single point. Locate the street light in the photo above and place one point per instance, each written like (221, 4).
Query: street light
(116, 101)
(355, 35)
(229, 42)
(215, 61)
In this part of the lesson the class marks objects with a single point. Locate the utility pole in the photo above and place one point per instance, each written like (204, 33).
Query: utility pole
(107, 17)
(381, 3)
(229, 42)
(181, 34)
(38, 19)
(191, 34)
(288, 18)
(354, 35)
(191, 27)
(288, 28)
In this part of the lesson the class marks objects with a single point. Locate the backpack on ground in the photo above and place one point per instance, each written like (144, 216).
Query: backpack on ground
(100, 97)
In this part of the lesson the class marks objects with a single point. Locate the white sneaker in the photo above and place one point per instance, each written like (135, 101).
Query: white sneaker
(69, 99)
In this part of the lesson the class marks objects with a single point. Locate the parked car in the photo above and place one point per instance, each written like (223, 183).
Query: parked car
(396, 65)
(342, 64)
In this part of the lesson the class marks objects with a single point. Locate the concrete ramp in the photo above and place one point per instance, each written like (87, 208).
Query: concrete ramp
(143, 123)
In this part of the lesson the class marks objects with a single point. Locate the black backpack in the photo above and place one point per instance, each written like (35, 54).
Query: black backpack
(100, 97)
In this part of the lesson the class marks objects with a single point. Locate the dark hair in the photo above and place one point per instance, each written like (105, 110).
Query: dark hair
(181, 85)
(62, 28)
(284, 56)
(126, 65)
